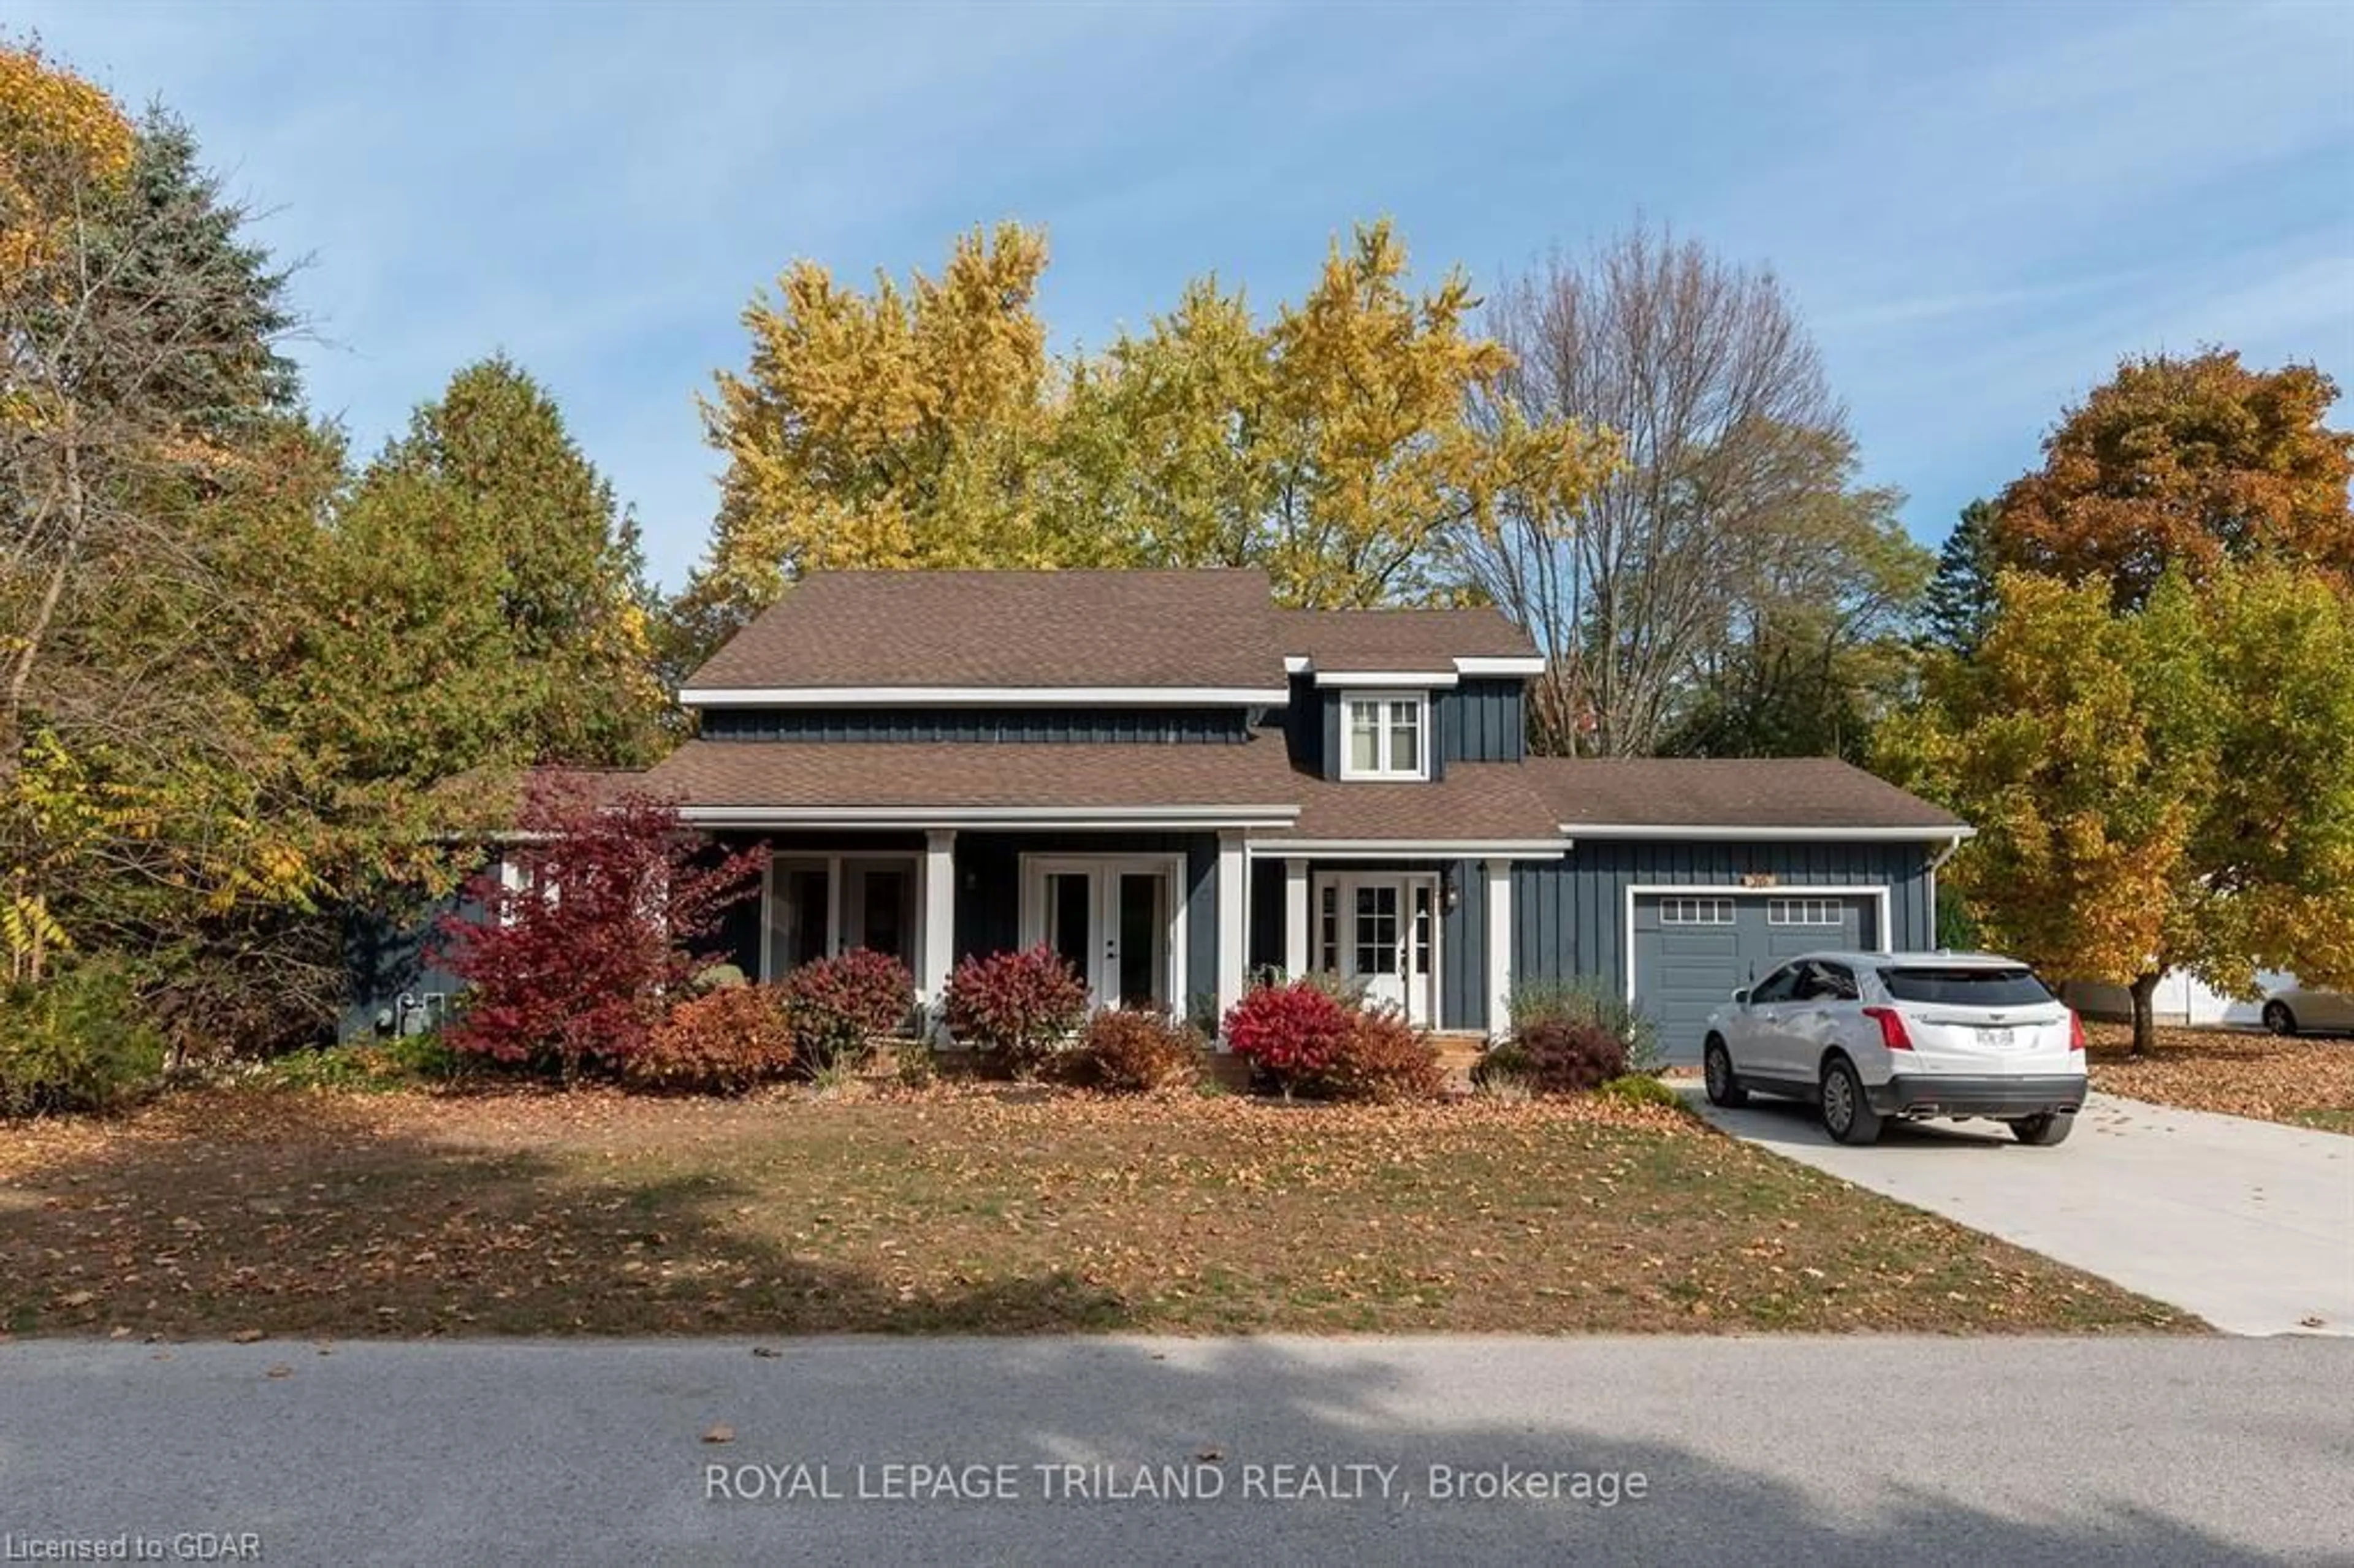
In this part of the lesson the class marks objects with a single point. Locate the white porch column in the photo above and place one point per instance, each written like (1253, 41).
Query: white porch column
(1499, 948)
(939, 915)
(1233, 921)
(1298, 918)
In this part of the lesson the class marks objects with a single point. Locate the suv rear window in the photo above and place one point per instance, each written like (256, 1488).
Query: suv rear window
(1974, 986)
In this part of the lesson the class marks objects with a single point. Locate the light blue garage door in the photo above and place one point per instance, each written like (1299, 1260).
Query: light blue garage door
(1693, 950)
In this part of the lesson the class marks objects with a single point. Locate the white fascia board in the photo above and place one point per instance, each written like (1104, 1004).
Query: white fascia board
(981, 696)
(1771, 835)
(990, 816)
(1410, 849)
(1387, 680)
(1514, 664)
(1298, 663)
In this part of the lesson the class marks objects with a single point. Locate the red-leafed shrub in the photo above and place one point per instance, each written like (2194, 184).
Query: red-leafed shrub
(840, 1004)
(723, 1041)
(1564, 1057)
(1136, 1052)
(1020, 1006)
(1291, 1032)
(600, 918)
(1384, 1060)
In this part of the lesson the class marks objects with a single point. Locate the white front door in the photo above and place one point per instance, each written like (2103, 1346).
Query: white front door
(1387, 929)
(1116, 919)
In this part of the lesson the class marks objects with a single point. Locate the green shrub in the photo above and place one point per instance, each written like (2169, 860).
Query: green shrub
(1502, 1072)
(723, 1041)
(324, 1068)
(77, 1041)
(913, 1063)
(718, 976)
(1640, 1089)
(1135, 1052)
(1586, 1003)
(363, 1067)
(426, 1057)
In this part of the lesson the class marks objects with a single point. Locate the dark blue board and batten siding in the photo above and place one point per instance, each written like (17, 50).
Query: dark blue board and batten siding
(980, 726)
(1570, 915)
(1475, 721)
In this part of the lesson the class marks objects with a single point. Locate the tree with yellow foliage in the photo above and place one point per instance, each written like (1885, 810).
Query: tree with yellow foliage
(929, 427)
(2154, 787)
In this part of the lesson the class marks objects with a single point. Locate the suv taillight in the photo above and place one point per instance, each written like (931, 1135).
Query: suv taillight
(1891, 1027)
(2075, 1031)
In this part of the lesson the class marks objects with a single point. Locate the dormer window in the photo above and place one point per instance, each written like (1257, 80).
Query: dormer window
(1386, 734)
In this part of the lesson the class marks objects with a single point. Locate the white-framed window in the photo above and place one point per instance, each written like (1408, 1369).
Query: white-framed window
(1695, 911)
(1803, 912)
(818, 905)
(1386, 734)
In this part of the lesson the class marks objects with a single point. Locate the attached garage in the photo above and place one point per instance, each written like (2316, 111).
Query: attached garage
(1686, 878)
(1690, 948)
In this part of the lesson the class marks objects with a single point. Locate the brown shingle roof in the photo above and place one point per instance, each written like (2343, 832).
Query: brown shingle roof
(1008, 629)
(920, 774)
(1399, 639)
(1747, 793)
(1475, 802)
(1485, 802)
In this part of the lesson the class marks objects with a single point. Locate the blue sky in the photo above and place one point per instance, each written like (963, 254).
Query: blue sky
(1978, 208)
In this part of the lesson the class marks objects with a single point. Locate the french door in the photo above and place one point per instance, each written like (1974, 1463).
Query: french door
(1116, 919)
(1379, 930)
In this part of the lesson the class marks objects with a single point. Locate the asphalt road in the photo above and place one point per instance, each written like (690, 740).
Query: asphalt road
(2248, 1224)
(1754, 1451)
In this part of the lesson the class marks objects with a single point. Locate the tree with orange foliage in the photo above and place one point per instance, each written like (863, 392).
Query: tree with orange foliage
(2194, 462)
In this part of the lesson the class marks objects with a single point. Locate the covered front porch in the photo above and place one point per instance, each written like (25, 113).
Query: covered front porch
(1177, 920)
(1154, 918)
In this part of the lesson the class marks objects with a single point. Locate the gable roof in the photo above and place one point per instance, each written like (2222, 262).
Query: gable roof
(1063, 630)
(1399, 639)
(1593, 794)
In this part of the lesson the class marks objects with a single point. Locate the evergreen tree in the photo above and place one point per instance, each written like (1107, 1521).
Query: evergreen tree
(1960, 602)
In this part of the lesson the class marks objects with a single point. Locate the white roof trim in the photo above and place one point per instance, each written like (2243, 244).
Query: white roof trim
(990, 696)
(1393, 680)
(1467, 664)
(1768, 835)
(1376, 849)
(983, 816)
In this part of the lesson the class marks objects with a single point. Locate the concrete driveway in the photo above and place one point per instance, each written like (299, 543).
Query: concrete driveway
(2247, 1223)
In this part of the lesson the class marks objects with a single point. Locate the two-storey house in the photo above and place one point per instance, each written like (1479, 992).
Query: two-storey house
(1176, 784)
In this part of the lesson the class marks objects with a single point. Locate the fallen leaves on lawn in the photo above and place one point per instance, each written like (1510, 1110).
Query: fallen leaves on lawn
(2237, 1073)
(973, 1208)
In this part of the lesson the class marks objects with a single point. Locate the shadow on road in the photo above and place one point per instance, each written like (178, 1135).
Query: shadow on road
(1814, 1452)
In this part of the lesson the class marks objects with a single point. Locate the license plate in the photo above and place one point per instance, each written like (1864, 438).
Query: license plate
(1994, 1039)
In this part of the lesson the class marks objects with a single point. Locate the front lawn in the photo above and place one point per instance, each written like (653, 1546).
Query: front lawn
(2307, 1081)
(968, 1210)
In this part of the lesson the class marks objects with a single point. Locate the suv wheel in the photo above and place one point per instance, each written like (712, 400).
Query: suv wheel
(1848, 1115)
(1716, 1067)
(2043, 1130)
(2279, 1018)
